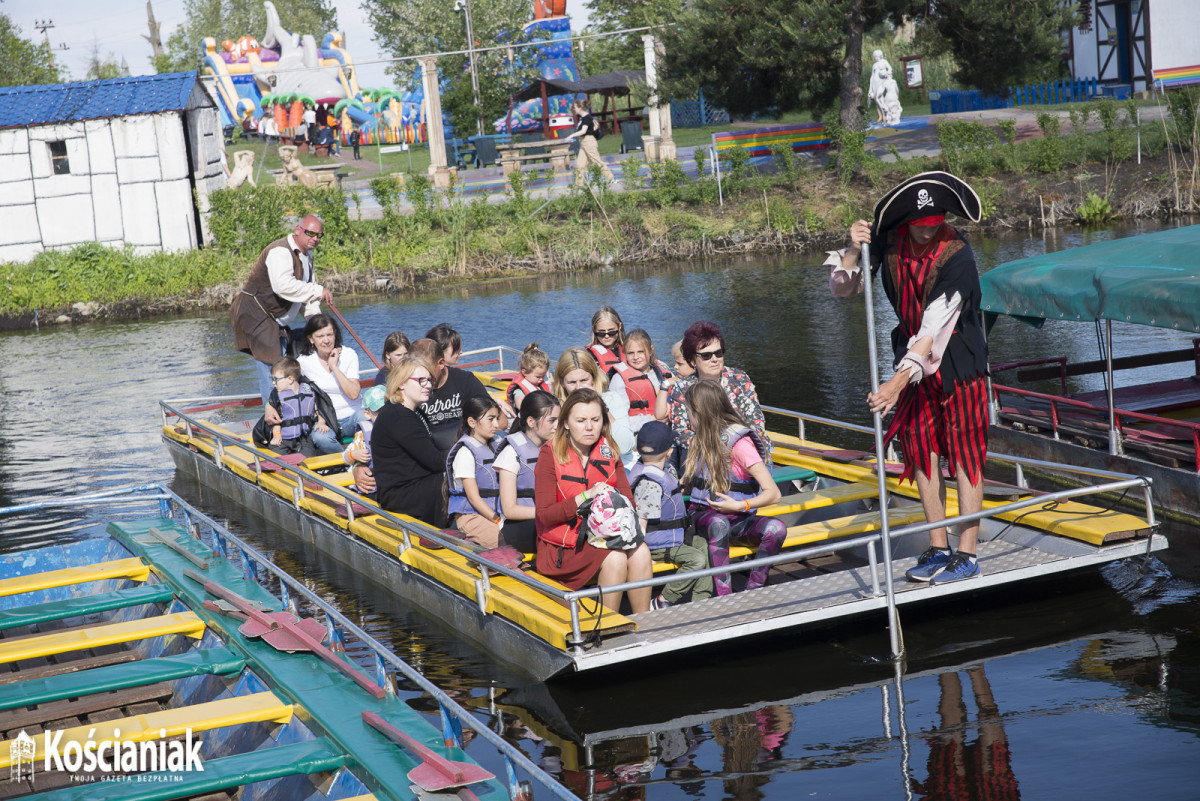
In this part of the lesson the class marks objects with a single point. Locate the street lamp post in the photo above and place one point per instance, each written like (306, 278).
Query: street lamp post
(465, 7)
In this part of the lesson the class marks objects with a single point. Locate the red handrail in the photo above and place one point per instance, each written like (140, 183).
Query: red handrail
(1118, 414)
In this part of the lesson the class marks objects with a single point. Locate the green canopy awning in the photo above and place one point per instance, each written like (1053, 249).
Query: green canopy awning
(1152, 279)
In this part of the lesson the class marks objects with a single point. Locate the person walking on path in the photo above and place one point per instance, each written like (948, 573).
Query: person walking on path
(587, 132)
(281, 289)
(355, 138)
(938, 391)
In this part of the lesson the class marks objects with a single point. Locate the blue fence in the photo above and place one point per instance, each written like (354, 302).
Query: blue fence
(1068, 90)
(696, 113)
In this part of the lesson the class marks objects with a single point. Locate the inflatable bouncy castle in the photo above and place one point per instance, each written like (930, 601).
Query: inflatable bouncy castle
(277, 77)
(554, 57)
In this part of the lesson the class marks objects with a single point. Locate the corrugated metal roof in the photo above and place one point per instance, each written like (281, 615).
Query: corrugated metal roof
(22, 106)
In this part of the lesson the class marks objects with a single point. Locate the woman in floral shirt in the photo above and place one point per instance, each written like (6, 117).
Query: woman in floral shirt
(704, 349)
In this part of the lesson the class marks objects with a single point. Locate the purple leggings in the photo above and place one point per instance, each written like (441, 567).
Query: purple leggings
(720, 528)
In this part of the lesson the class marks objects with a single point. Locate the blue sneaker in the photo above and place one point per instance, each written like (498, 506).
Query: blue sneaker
(960, 567)
(659, 602)
(929, 564)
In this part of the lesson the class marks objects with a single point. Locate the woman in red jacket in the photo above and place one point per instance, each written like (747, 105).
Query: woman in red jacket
(570, 467)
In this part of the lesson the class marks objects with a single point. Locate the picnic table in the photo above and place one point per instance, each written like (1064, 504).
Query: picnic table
(513, 153)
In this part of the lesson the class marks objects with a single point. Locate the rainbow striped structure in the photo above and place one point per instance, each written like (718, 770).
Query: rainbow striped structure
(1177, 76)
(758, 141)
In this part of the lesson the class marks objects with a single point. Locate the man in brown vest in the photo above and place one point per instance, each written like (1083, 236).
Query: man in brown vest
(281, 288)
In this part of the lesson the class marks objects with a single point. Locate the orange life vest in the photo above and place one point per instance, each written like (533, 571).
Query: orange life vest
(639, 388)
(526, 386)
(571, 479)
(607, 359)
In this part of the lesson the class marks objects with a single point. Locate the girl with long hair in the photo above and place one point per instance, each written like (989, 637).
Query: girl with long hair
(608, 332)
(515, 463)
(408, 465)
(728, 468)
(473, 488)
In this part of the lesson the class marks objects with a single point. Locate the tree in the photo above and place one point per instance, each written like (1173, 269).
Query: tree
(22, 62)
(775, 56)
(419, 27)
(233, 19)
(102, 67)
(624, 52)
(1001, 43)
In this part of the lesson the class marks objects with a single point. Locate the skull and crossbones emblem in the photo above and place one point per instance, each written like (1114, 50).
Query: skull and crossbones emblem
(923, 199)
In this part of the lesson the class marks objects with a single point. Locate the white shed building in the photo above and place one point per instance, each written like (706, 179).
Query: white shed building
(1126, 42)
(123, 161)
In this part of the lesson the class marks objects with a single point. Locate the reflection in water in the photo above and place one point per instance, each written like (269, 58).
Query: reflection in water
(965, 761)
(78, 408)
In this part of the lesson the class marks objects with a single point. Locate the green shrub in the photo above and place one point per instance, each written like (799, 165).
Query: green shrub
(1095, 210)
(1049, 151)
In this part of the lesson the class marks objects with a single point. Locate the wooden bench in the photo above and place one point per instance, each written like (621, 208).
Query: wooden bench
(556, 150)
(1177, 76)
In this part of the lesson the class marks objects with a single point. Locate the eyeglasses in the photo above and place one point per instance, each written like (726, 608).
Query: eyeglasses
(719, 353)
(276, 379)
(314, 234)
(424, 380)
(612, 332)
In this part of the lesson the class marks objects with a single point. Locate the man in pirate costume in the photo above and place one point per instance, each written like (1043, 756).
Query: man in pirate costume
(939, 390)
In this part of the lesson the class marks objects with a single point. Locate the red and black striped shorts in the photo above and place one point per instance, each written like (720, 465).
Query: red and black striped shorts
(929, 421)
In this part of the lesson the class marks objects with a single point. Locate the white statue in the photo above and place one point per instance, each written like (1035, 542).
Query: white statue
(889, 97)
(243, 171)
(876, 87)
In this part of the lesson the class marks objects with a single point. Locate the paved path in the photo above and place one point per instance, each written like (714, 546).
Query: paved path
(915, 136)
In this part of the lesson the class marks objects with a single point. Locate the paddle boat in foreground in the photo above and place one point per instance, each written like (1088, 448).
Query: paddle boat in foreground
(144, 660)
(1150, 429)
(830, 567)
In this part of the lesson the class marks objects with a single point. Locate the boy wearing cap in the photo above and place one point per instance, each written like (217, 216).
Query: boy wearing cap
(938, 391)
(359, 450)
(660, 509)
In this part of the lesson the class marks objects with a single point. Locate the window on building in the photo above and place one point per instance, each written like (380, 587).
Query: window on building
(58, 158)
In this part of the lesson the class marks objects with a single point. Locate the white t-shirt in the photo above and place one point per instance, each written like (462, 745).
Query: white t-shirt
(462, 467)
(310, 365)
(507, 460)
(304, 292)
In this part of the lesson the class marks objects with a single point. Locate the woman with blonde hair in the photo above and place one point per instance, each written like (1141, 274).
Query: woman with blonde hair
(577, 369)
(571, 469)
(408, 465)
(727, 466)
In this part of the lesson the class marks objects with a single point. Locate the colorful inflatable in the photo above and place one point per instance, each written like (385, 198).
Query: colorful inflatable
(555, 58)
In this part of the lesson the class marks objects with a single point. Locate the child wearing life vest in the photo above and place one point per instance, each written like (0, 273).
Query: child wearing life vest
(662, 409)
(359, 450)
(296, 403)
(515, 462)
(474, 488)
(660, 510)
(642, 377)
(727, 466)
(608, 332)
(534, 365)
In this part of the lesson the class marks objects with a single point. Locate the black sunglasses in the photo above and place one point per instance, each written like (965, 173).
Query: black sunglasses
(314, 234)
(719, 353)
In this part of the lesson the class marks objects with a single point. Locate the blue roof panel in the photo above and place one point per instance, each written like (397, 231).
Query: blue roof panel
(22, 106)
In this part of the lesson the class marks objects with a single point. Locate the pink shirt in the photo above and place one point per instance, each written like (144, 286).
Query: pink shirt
(745, 456)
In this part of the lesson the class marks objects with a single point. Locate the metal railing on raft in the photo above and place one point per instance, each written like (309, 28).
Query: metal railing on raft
(572, 599)
(291, 592)
(1117, 416)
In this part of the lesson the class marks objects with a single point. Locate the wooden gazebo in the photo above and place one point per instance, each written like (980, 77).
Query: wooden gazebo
(611, 85)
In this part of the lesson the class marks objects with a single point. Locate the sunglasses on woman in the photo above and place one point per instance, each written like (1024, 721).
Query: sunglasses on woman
(707, 355)
(612, 332)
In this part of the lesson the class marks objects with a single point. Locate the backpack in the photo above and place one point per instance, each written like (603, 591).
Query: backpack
(599, 132)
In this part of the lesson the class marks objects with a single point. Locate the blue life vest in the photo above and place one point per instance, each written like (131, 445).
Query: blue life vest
(527, 456)
(666, 530)
(486, 479)
(299, 412)
(738, 490)
(366, 427)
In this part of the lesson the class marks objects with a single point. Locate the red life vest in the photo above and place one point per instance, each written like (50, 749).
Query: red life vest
(639, 388)
(571, 479)
(607, 359)
(526, 386)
